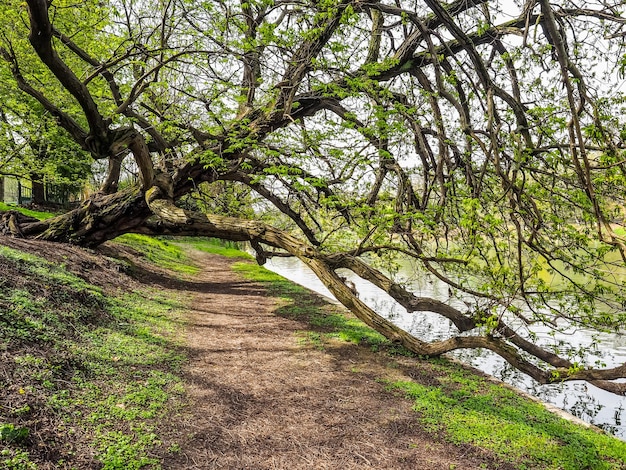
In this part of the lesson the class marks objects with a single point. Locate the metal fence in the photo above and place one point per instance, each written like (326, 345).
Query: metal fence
(55, 194)
(16, 192)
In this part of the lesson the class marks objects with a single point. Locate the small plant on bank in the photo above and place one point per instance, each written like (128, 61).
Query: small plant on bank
(11, 435)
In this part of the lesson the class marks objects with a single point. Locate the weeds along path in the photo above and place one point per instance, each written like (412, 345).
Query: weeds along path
(263, 400)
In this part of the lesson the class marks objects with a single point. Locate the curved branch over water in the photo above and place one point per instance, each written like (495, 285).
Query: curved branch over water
(489, 149)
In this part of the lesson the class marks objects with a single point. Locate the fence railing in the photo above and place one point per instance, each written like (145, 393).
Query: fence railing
(15, 191)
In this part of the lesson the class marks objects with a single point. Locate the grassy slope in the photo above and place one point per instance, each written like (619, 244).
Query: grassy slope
(37, 214)
(85, 375)
(79, 362)
(160, 252)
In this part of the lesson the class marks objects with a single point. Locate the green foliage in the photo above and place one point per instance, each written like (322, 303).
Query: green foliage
(121, 451)
(33, 146)
(220, 198)
(12, 435)
(16, 459)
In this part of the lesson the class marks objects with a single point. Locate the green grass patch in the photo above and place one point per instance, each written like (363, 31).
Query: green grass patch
(325, 318)
(174, 254)
(277, 285)
(214, 246)
(36, 214)
(466, 408)
(102, 370)
(310, 338)
(161, 252)
(47, 303)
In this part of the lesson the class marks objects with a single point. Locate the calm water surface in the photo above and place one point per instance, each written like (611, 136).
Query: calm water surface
(581, 399)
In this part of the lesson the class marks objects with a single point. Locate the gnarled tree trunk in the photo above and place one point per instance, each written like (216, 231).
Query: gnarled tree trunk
(420, 138)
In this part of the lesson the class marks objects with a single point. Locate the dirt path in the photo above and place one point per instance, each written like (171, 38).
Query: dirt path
(265, 401)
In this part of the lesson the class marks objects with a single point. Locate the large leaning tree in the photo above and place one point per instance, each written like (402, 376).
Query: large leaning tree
(483, 141)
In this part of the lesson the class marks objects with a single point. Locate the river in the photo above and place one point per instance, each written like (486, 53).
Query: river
(581, 399)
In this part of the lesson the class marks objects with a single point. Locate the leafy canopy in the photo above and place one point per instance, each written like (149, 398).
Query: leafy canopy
(483, 141)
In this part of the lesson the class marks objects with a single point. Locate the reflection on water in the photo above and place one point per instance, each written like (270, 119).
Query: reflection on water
(581, 399)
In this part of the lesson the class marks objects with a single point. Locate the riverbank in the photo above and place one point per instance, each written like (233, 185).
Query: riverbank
(589, 403)
(226, 365)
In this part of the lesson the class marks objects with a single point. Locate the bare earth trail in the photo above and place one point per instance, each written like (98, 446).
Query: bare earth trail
(262, 400)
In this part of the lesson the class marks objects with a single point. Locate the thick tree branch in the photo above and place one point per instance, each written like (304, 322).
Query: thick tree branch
(41, 39)
(176, 221)
(64, 119)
